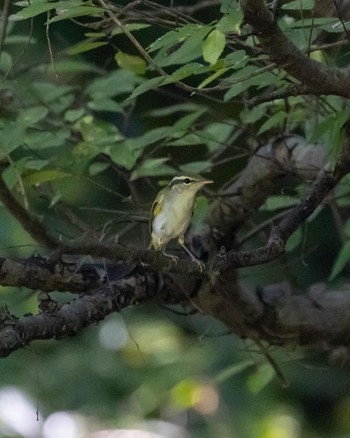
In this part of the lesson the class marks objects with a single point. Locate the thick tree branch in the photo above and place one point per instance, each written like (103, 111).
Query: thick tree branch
(71, 317)
(318, 77)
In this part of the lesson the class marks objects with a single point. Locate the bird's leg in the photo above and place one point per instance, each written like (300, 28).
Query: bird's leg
(200, 264)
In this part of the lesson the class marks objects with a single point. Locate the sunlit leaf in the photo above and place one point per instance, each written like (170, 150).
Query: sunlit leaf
(233, 370)
(263, 375)
(213, 46)
(130, 62)
(43, 176)
(85, 46)
(231, 22)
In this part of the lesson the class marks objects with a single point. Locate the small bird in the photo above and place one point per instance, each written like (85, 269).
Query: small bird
(172, 211)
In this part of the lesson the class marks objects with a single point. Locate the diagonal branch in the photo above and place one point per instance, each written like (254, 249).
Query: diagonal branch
(319, 78)
(28, 221)
(279, 235)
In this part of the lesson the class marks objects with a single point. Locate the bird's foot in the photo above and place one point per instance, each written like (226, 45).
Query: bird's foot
(199, 263)
(174, 258)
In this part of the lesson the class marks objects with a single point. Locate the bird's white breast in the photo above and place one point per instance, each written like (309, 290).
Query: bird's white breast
(173, 220)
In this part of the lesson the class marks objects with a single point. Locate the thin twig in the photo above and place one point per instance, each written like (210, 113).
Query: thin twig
(49, 44)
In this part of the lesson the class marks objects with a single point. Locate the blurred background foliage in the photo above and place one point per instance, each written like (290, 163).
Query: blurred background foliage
(88, 126)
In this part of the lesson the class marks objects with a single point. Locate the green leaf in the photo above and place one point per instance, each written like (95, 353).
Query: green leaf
(299, 5)
(64, 13)
(273, 203)
(196, 167)
(228, 5)
(35, 9)
(213, 46)
(113, 84)
(131, 27)
(201, 211)
(5, 61)
(341, 261)
(43, 176)
(130, 62)
(294, 240)
(256, 382)
(254, 114)
(11, 137)
(48, 92)
(236, 59)
(85, 46)
(70, 66)
(246, 77)
(216, 134)
(125, 154)
(105, 104)
(12, 173)
(28, 117)
(186, 140)
(39, 140)
(36, 164)
(330, 131)
(177, 75)
(232, 370)
(231, 22)
(96, 168)
(212, 78)
(188, 49)
(74, 115)
(174, 36)
(187, 121)
(273, 121)
(152, 167)
(172, 109)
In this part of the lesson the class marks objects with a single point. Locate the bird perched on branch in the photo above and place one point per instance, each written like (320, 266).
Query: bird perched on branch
(172, 211)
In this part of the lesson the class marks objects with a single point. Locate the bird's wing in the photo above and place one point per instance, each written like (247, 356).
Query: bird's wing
(156, 208)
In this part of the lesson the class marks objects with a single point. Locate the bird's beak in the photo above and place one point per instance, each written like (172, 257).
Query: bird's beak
(207, 181)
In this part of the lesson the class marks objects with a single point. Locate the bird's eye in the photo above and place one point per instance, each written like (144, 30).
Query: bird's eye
(187, 180)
